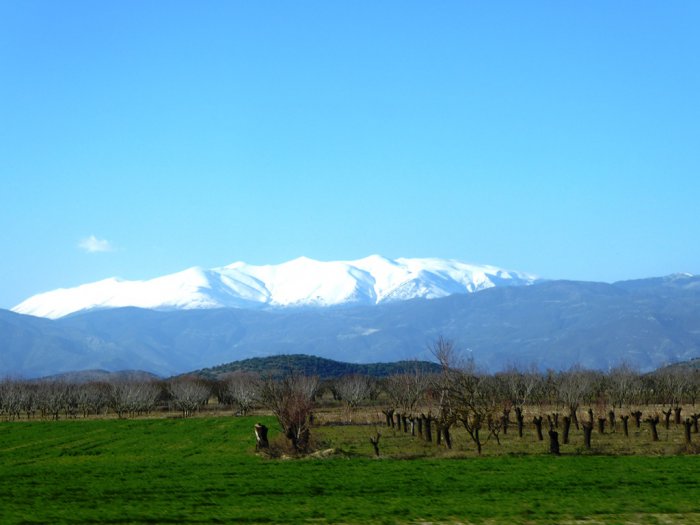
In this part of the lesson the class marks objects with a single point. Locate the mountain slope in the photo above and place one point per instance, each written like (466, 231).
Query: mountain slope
(301, 282)
(552, 324)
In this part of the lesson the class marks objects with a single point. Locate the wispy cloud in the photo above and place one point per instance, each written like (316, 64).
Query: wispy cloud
(94, 245)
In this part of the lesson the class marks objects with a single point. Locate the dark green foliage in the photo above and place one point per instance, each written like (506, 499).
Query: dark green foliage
(282, 365)
(203, 470)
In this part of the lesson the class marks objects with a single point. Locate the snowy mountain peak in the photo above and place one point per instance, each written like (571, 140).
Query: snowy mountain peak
(299, 282)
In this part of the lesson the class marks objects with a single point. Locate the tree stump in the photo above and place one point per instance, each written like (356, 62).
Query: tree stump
(567, 427)
(426, 426)
(537, 420)
(601, 425)
(587, 431)
(389, 414)
(677, 415)
(667, 418)
(554, 442)
(520, 419)
(653, 421)
(261, 441)
(625, 423)
(687, 424)
(637, 418)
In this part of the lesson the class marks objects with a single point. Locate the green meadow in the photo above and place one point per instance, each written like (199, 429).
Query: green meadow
(205, 470)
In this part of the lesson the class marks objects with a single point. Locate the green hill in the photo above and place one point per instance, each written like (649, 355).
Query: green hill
(280, 365)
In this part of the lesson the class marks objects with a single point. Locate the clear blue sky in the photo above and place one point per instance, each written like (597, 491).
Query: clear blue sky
(558, 138)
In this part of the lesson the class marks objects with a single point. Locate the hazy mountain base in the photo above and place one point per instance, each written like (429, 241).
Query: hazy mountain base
(555, 324)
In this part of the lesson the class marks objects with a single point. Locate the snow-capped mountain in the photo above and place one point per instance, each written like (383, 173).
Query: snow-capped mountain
(300, 282)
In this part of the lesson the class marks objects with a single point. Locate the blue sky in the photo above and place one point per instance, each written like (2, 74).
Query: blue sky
(141, 138)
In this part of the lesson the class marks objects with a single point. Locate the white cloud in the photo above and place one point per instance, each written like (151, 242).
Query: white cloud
(94, 245)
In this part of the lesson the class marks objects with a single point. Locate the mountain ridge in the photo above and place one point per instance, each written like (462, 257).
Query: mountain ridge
(301, 282)
(551, 324)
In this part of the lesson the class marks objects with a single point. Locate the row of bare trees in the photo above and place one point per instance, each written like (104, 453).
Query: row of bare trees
(52, 399)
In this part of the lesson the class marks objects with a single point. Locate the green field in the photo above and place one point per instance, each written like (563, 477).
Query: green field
(204, 470)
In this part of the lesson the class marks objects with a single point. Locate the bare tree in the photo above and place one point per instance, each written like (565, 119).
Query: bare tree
(291, 400)
(405, 391)
(622, 384)
(189, 394)
(242, 389)
(132, 397)
(471, 398)
(574, 387)
(353, 389)
(520, 388)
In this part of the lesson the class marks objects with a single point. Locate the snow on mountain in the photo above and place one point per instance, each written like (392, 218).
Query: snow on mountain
(300, 282)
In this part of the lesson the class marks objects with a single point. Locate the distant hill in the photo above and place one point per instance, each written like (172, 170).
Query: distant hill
(692, 364)
(88, 376)
(280, 365)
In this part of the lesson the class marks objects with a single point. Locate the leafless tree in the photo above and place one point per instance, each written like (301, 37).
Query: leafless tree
(242, 389)
(574, 387)
(471, 398)
(353, 389)
(132, 397)
(405, 391)
(291, 400)
(519, 388)
(189, 394)
(622, 383)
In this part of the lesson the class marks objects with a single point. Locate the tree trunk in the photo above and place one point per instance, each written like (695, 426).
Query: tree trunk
(506, 420)
(677, 415)
(520, 419)
(695, 418)
(573, 416)
(667, 418)
(687, 424)
(389, 414)
(587, 431)
(413, 425)
(555, 418)
(426, 426)
(448, 438)
(601, 425)
(590, 416)
(637, 418)
(567, 427)
(419, 420)
(438, 433)
(261, 436)
(625, 423)
(554, 442)
(653, 421)
(404, 419)
(398, 421)
(612, 420)
(537, 420)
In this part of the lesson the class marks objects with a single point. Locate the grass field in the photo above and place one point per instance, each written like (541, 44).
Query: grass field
(204, 470)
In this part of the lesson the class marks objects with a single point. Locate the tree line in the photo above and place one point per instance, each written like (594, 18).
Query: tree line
(426, 405)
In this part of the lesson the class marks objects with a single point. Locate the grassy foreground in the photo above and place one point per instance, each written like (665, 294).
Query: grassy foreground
(202, 470)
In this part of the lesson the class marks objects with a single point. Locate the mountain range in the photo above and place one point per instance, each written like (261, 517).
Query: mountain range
(302, 282)
(551, 324)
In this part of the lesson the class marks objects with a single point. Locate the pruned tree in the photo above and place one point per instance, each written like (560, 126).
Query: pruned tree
(291, 400)
(472, 397)
(405, 391)
(520, 386)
